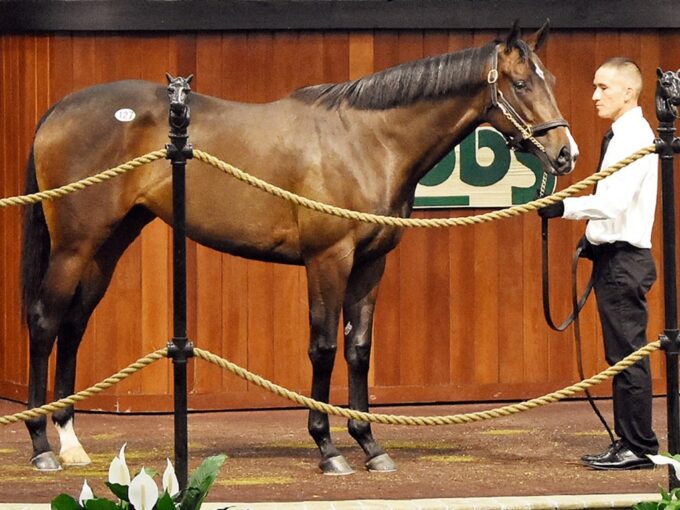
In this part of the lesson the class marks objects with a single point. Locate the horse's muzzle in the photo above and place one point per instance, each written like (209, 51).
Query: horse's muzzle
(564, 162)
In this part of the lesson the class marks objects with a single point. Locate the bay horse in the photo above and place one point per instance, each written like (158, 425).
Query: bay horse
(362, 144)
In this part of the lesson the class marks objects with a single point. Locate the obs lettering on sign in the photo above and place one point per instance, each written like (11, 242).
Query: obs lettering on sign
(482, 172)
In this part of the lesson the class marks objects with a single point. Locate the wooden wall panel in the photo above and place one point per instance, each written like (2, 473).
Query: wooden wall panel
(459, 315)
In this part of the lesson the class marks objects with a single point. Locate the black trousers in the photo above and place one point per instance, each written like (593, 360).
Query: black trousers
(622, 275)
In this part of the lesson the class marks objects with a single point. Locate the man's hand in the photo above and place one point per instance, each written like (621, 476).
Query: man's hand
(552, 210)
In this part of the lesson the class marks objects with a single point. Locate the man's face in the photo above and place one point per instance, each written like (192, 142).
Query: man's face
(612, 93)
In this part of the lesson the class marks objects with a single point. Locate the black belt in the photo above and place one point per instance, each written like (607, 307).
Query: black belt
(615, 246)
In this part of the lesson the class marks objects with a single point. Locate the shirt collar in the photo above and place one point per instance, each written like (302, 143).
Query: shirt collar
(626, 119)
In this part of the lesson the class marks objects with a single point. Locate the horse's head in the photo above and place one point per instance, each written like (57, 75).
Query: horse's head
(523, 105)
(178, 91)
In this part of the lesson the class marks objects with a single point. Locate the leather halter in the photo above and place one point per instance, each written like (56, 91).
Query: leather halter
(525, 130)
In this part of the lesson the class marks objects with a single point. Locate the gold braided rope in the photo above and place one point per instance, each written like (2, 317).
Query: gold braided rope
(455, 419)
(82, 395)
(310, 403)
(106, 175)
(417, 222)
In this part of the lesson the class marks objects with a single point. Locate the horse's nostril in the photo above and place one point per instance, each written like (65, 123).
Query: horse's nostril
(564, 156)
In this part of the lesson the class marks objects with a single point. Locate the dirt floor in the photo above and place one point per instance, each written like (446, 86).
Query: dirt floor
(271, 457)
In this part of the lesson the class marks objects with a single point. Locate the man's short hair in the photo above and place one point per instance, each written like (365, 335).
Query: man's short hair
(629, 69)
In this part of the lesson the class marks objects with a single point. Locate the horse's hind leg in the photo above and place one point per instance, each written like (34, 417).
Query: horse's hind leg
(326, 281)
(70, 335)
(92, 288)
(44, 320)
(358, 308)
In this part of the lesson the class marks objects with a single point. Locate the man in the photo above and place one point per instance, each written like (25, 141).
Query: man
(621, 214)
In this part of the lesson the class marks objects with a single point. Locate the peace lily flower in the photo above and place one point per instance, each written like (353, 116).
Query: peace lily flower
(170, 483)
(118, 470)
(660, 460)
(143, 492)
(669, 499)
(85, 494)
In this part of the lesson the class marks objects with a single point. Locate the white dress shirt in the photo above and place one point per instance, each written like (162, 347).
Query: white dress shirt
(622, 208)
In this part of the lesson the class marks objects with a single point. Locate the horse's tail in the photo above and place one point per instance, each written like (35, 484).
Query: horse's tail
(35, 249)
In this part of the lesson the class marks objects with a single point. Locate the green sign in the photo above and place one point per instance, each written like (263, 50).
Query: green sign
(482, 172)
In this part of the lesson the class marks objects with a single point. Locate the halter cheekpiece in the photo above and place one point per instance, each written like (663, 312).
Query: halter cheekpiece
(525, 130)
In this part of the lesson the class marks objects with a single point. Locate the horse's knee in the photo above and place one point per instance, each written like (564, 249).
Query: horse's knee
(322, 353)
(358, 355)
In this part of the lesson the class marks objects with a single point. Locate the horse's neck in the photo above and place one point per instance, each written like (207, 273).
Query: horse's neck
(416, 137)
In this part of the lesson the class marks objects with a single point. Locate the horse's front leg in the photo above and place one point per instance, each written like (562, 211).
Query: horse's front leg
(326, 281)
(359, 305)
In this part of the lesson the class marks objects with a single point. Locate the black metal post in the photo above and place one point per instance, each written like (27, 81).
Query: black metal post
(180, 349)
(666, 146)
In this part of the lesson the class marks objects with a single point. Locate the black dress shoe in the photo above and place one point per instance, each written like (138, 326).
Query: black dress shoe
(620, 460)
(612, 448)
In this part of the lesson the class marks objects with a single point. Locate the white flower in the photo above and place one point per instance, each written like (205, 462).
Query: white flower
(170, 483)
(663, 459)
(143, 492)
(118, 470)
(85, 494)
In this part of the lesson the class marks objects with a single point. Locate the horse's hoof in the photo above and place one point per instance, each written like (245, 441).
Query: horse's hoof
(336, 466)
(75, 456)
(46, 461)
(381, 464)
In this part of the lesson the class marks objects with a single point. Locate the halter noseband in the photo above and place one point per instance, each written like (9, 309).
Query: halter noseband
(525, 130)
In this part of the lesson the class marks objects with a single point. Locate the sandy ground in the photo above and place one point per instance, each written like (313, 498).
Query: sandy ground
(271, 457)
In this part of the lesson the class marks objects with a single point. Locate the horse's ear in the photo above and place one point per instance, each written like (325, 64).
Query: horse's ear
(513, 36)
(538, 38)
(659, 72)
(189, 78)
(169, 77)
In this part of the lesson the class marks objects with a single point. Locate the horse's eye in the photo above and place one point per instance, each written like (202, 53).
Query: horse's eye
(520, 84)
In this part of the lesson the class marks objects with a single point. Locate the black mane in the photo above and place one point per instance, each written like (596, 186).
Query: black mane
(427, 78)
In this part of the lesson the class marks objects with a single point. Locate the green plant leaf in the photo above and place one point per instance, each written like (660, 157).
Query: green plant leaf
(200, 482)
(165, 502)
(673, 505)
(101, 504)
(665, 495)
(120, 491)
(649, 505)
(65, 502)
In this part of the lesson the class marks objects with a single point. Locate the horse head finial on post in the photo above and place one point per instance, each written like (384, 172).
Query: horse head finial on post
(180, 113)
(180, 348)
(667, 99)
(667, 95)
